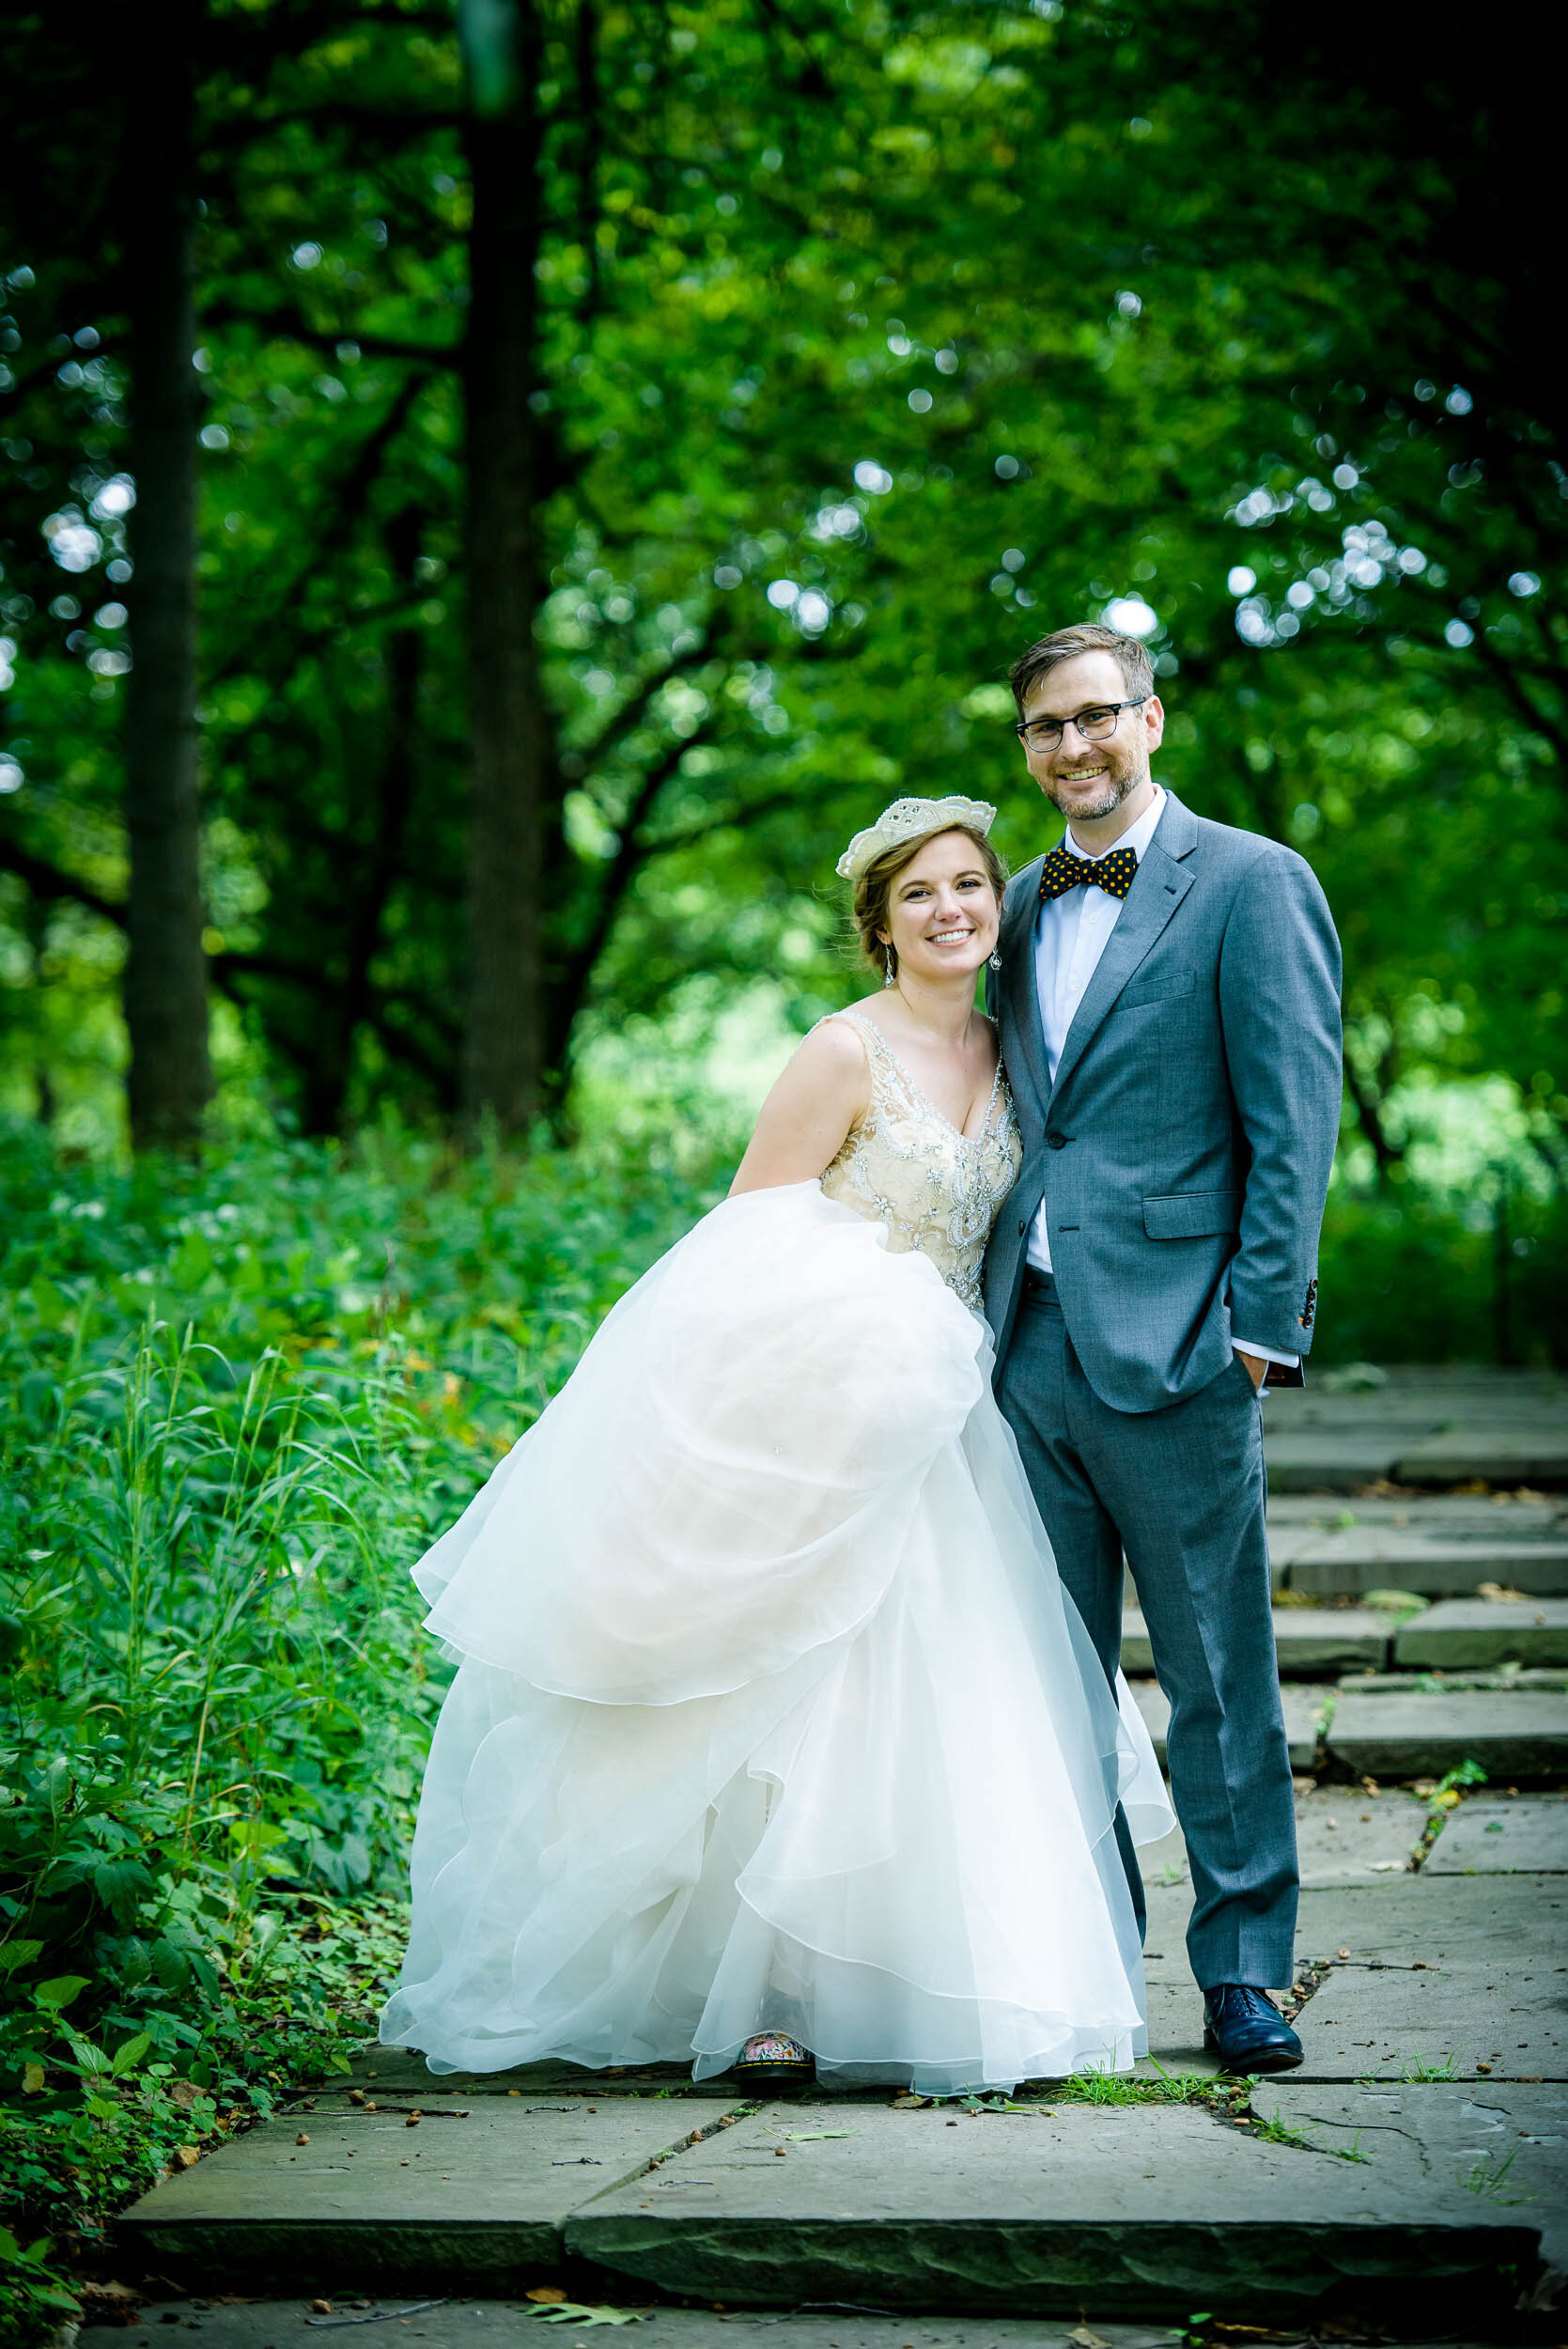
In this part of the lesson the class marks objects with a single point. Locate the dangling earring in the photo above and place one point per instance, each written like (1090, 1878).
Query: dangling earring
(995, 959)
(887, 966)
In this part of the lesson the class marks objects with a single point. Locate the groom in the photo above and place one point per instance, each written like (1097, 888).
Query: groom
(1169, 1002)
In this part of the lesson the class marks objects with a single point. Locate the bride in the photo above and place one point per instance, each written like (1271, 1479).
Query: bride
(775, 1736)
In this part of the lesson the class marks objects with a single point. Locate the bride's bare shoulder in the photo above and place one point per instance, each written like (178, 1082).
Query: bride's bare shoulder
(832, 1055)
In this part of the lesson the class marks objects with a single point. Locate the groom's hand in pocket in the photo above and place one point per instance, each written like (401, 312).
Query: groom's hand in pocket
(1253, 1364)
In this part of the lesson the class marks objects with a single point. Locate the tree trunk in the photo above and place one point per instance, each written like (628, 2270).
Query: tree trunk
(165, 976)
(503, 1050)
(374, 863)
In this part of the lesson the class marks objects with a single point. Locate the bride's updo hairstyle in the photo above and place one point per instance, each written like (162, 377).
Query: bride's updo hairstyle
(874, 886)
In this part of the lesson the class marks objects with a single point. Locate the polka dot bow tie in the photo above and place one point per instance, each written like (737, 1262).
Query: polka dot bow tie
(1114, 873)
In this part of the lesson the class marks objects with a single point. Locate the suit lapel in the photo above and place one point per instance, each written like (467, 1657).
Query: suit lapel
(1158, 888)
(1024, 1029)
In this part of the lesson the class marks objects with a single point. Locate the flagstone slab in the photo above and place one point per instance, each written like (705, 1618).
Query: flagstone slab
(401, 2073)
(1508, 2144)
(1306, 1641)
(1455, 1972)
(1304, 1707)
(469, 2323)
(1531, 1454)
(1326, 1460)
(1141, 2211)
(1527, 1835)
(1449, 1918)
(1522, 1734)
(471, 2198)
(1344, 1835)
(1450, 1516)
(1467, 1633)
(1345, 1566)
(1507, 2020)
(1164, 1863)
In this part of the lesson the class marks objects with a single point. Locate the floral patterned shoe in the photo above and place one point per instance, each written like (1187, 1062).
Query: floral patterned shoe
(772, 2061)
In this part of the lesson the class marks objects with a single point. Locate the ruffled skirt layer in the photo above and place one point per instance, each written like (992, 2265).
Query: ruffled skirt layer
(772, 1713)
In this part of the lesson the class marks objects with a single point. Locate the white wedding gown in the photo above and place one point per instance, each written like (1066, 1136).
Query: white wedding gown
(772, 1713)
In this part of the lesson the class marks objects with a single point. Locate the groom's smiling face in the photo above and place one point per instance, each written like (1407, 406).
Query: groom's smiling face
(1089, 779)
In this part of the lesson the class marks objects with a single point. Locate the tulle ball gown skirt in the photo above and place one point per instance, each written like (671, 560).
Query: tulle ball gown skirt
(771, 1712)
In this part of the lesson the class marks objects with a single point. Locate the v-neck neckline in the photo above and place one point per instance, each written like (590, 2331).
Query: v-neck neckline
(862, 1019)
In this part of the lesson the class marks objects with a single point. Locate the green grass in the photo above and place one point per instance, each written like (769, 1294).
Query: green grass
(1418, 2071)
(241, 1399)
(1489, 2177)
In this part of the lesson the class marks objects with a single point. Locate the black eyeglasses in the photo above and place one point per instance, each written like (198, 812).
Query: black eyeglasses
(1095, 725)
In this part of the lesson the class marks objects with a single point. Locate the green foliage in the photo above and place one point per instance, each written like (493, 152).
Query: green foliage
(242, 1400)
(1417, 1275)
(1489, 2177)
(800, 331)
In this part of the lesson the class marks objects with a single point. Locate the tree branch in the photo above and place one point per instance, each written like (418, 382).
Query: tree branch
(1383, 1150)
(47, 880)
(343, 503)
(291, 326)
(576, 966)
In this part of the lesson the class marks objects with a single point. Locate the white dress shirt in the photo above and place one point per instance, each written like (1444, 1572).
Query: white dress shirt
(1070, 936)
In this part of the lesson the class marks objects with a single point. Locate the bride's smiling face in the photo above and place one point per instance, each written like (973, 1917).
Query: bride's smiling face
(943, 912)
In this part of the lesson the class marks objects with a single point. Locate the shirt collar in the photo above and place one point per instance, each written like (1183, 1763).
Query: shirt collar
(1135, 837)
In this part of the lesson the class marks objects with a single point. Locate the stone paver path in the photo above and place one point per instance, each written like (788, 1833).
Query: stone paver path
(1436, 2040)
(1418, 2156)
(1419, 1424)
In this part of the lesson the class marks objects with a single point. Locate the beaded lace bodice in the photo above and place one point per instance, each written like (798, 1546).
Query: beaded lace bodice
(906, 1165)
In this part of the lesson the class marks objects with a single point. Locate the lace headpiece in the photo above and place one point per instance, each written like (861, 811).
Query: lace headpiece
(908, 820)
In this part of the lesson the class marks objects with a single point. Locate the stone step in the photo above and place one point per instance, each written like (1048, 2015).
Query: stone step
(1520, 1733)
(1389, 1729)
(477, 2193)
(1304, 1708)
(1475, 1633)
(1310, 1642)
(1509, 2140)
(1421, 1425)
(1345, 1561)
(1456, 1977)
(1524, 1835)
(1131, 2211)
(1141, 2211)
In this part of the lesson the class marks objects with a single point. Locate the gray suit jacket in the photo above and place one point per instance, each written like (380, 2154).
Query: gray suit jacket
(1182, 1152)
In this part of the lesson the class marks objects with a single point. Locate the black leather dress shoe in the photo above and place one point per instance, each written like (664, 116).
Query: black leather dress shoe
(1245, 2029)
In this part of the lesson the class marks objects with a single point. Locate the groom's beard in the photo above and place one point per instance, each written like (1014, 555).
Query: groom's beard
(1110, 790)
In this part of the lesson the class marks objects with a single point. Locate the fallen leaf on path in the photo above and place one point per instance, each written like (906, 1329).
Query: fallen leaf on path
(301, 2139)
(1087, 2338)
(376, 2316)
(572, 2313)
(551, 2294)
(187, 2155)
(108, 2296)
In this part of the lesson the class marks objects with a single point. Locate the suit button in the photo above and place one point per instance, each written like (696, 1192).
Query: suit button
(1056, 1142)
(1023, 1225)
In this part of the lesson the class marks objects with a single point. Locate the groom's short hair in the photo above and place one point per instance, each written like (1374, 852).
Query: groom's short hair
(1065, 644)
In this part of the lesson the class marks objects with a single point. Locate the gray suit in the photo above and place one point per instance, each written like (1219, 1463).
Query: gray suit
(1183, 1154)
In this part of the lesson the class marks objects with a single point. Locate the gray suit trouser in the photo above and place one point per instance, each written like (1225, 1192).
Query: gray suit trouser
(1182, 1491)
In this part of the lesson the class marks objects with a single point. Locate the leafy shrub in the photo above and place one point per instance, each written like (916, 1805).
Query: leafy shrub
(1406, 1277)
(243, 1398)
